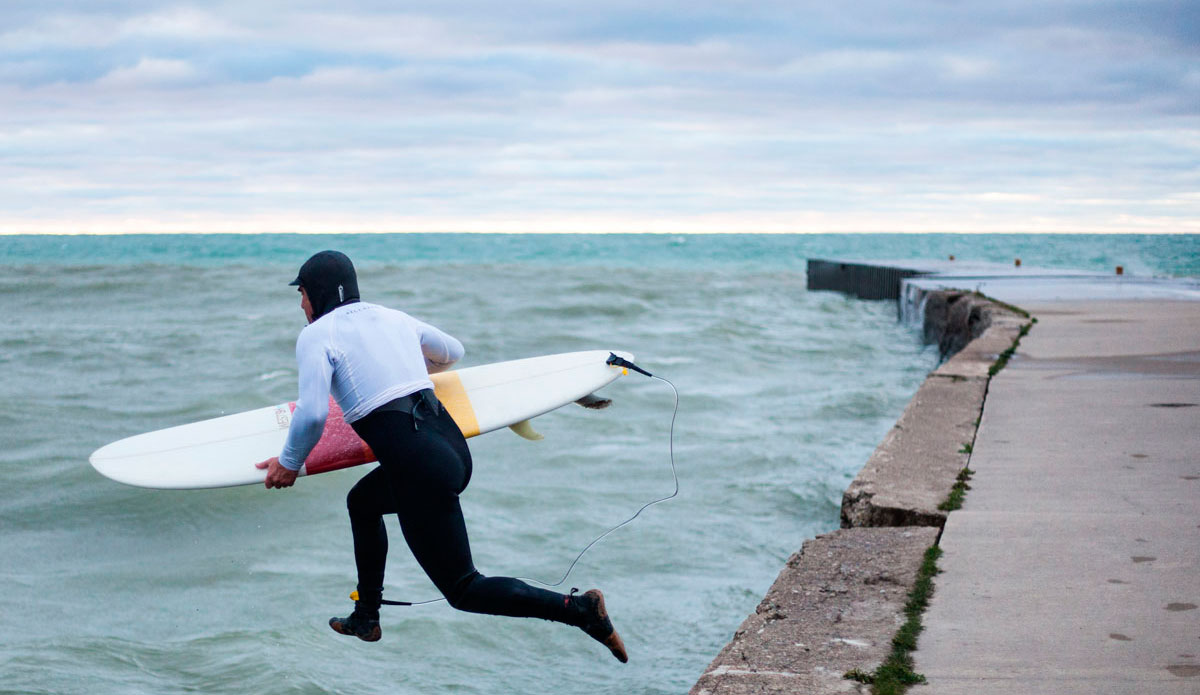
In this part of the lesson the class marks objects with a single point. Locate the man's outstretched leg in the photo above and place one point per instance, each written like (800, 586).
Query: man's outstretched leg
(513, 597)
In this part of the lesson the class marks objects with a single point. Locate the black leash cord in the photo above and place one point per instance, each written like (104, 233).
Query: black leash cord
(644, 507)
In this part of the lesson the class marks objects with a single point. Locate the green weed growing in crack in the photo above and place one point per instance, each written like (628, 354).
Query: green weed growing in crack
(896, 673)
(958, 492)
(857, 674)
(1002, 361)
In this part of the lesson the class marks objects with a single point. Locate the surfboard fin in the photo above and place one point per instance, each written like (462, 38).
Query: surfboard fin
(526, 430)
(594, 402)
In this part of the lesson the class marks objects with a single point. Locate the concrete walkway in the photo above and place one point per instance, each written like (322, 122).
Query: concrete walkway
(1074, 566)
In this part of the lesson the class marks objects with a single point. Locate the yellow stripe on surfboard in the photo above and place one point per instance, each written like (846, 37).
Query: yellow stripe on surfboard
(448, 387)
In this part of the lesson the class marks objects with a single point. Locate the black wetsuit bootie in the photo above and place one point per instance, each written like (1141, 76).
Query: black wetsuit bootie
(596, 624)
(363, 623)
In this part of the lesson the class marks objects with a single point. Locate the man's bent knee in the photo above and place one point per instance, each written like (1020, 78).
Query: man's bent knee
(359, 501)
(458, 591)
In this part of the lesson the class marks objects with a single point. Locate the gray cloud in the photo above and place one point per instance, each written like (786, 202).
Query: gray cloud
(772, 115)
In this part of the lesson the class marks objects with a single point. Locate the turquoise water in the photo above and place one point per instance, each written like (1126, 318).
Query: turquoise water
(1170, 255)
(785, 393)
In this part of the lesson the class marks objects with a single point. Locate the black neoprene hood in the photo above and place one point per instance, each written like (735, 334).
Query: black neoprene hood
(330, 281)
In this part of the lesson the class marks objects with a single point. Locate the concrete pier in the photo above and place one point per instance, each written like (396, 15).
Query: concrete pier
(839, 601)
(885, 279)
(1075, 565)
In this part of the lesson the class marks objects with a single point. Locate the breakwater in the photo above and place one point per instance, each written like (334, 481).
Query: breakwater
(839, 600)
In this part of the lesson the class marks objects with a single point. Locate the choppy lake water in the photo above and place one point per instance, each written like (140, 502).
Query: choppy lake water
(785, 393)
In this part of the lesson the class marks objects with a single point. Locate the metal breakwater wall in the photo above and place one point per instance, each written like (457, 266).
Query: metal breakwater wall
(859, 279)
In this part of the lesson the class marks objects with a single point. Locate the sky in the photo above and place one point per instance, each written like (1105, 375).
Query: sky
(650, 116)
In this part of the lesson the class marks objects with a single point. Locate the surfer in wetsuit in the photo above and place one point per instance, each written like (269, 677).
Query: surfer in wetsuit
(376, 363)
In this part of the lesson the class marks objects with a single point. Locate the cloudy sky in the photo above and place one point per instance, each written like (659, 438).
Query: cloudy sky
(530, 115)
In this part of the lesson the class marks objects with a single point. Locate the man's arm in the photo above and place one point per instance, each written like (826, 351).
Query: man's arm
(308, 419)
(441, 350)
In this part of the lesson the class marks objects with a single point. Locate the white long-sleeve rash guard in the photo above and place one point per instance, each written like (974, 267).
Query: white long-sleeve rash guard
(366, 355)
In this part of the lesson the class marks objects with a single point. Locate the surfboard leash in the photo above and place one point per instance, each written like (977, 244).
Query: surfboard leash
(613, 360)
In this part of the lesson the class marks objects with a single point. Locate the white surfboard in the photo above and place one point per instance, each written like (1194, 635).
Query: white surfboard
(221, 452)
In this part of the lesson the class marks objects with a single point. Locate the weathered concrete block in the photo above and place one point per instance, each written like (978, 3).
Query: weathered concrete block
(915, 467)
(974, 360)
(954, 318)
(835, 607)
(913, 470)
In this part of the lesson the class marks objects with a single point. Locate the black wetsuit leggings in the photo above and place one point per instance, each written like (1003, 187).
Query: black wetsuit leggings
(424, 465)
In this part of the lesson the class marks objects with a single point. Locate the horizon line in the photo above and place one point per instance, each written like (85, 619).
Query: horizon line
(647, 232)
